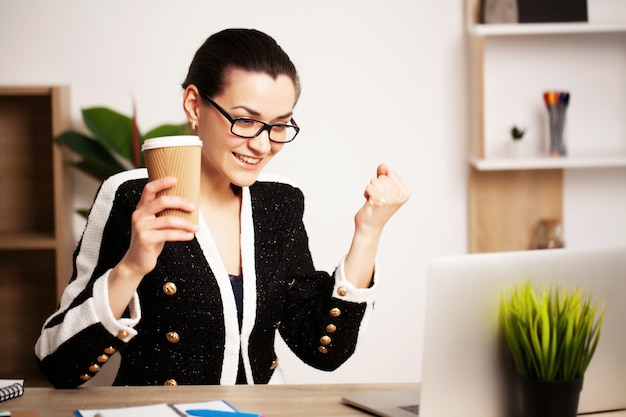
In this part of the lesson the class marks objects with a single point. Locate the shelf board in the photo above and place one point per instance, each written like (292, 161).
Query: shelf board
(18, 90)
(26, 240)
(546, 162)
(512, 29)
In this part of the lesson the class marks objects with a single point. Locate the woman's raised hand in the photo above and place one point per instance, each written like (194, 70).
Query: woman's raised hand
(384, 195)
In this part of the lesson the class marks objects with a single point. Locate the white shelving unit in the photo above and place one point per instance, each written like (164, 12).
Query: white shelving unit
(510, 66)
(516, 63)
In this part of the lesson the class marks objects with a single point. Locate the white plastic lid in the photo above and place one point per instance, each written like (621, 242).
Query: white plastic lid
(168, 141)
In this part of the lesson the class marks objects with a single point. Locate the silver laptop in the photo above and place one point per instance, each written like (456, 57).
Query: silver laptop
(465, 372)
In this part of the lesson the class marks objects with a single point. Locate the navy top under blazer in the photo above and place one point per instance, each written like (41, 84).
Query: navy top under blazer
(181, 326)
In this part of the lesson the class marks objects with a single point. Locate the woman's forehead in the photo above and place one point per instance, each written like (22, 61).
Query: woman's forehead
(260, 89)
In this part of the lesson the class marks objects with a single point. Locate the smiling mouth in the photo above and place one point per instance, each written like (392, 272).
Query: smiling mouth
(247, 159)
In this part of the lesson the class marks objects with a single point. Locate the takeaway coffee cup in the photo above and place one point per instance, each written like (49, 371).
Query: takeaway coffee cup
(176, 156)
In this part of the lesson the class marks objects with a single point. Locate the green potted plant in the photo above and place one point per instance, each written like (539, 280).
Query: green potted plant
(516, 146)
(517, 133)
(114, 144)
(552, 335)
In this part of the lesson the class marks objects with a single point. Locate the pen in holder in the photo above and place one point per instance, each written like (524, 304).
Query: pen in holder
(556, 103)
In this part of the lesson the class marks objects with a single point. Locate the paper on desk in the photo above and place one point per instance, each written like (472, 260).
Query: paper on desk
(156, 410)
(210, 405)
(9, 382)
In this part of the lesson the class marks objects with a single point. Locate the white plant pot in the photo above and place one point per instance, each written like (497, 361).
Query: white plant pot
(516, 149)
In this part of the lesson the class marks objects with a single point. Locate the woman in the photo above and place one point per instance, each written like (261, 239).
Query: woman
(201, 304)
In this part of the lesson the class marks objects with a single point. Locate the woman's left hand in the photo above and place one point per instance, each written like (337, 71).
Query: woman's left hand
(384, 195)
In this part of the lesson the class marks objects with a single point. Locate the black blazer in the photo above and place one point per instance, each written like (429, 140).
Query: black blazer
(181, 327)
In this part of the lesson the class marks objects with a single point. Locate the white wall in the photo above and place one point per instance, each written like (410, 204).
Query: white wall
(382, 82)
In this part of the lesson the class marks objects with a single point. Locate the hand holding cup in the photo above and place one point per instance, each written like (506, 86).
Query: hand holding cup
(176, 156)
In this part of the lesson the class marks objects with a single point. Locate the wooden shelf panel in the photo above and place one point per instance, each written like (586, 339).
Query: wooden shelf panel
(35, 220)
(505, 207)
(27, 240)
(19, 90)
(502, 164)
(27, 298)
(26, 161)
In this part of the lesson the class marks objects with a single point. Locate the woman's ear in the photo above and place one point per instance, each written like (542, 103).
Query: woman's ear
(191, 105)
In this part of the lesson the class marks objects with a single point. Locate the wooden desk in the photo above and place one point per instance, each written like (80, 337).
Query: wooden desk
(271, 400)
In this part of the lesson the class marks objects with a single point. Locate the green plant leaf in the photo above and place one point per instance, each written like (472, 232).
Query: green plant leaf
(136, 139)
(536, 346)
(164, 130)
(94, 170)
(510, 336)
(97, 161)
(167, 130)
(525, 346)
(545, 327)
(111, 129)
(595, 336)
(83, 212)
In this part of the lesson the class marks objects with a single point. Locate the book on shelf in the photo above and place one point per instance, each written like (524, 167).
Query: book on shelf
(11, 388)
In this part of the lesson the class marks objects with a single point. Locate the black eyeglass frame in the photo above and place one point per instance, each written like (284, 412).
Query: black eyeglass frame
(266, 126)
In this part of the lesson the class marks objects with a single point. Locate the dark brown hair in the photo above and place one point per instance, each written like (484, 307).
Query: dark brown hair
(247, 49)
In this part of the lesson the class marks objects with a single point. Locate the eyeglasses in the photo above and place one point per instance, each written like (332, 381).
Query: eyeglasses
(247, 128)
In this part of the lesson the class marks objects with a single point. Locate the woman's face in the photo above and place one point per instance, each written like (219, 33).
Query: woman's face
(251, 95)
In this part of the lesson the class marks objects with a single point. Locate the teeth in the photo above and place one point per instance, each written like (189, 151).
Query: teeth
(247, 159)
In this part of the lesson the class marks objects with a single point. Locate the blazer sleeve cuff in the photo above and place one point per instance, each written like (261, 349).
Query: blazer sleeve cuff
(124, 328)
(346, 291)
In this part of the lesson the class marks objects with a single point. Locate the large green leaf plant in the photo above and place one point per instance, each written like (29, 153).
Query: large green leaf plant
(551, 333)
(114, 145)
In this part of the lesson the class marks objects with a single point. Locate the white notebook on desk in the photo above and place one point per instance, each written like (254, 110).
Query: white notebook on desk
(11, 388)
(461, 375)
(157, 410)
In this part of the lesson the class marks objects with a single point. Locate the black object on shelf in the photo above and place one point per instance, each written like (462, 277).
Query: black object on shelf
(543, 11)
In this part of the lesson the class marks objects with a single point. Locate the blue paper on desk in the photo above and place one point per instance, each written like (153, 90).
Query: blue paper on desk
(217, 408)
(215, 413)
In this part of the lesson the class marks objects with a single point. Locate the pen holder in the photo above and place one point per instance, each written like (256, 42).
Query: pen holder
(557, 141)
(556, 103)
